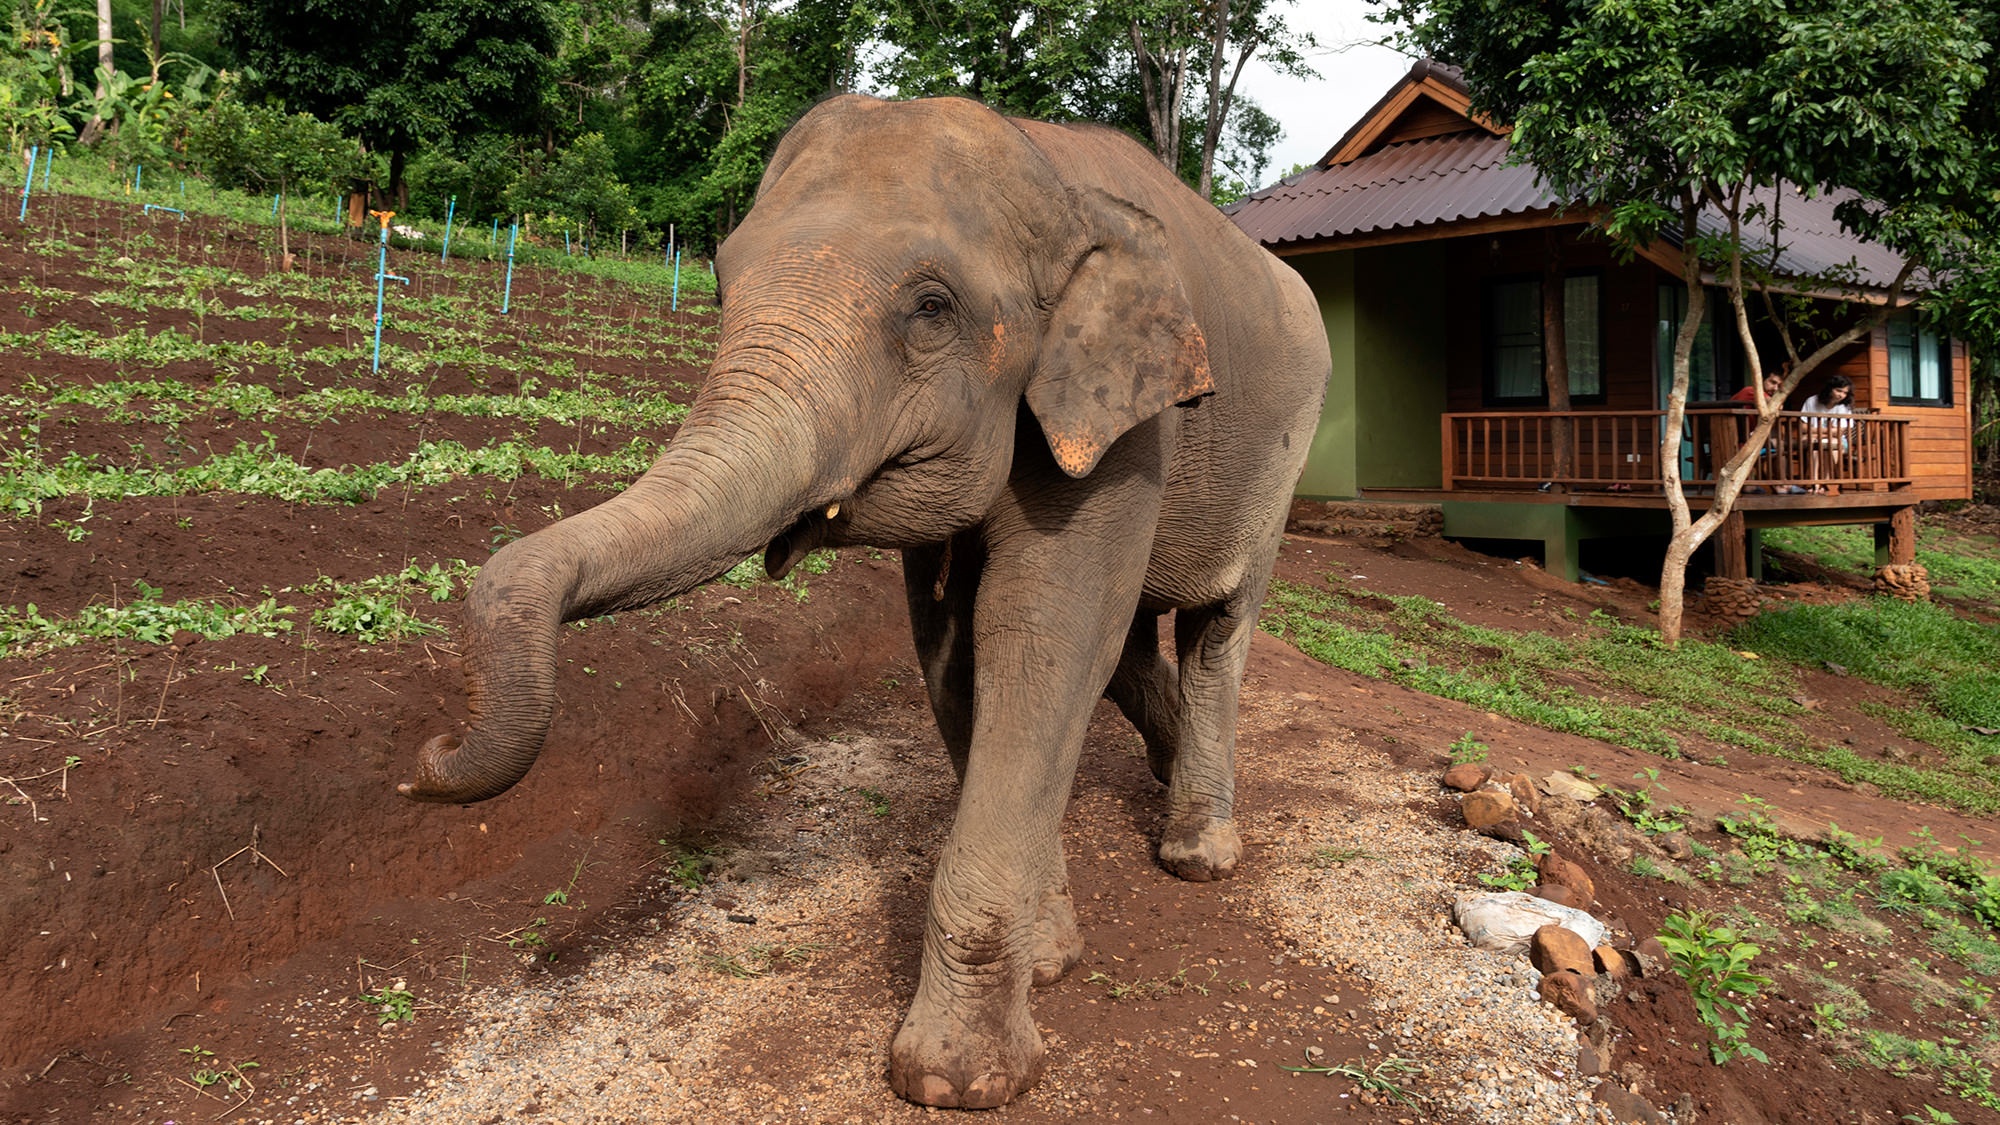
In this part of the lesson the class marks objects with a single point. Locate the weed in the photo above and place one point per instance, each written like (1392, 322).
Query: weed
(1961, 1071)
(1716, 967)
(878, 804)
(1638, 805)
(688, 868)
(1336, 856)
(1381, 1078)
(760, 960)
(1467, 749)
(1151, 988)
(394, 1003)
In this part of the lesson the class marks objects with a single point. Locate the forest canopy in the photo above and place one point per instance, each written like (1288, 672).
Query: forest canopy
(618, 118)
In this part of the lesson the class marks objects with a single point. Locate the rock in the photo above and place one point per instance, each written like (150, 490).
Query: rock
(1554, 949)
(1571, 786)
(1487, 808)
(1557, 871)
(1506, 921)
(1606, 835)
(1466, 776)
(1651, 958)
(1908, 581)
(1525, 796)
(1590, 1062)
(1626, 1106)
(1611, 961)
(1674, 845)
(1569, 992)
(1556, 894)
(1732, 597)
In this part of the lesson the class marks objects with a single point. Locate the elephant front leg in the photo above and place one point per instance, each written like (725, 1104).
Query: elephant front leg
(1050, 621)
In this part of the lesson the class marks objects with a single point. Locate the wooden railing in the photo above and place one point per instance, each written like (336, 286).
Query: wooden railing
(1619, 450)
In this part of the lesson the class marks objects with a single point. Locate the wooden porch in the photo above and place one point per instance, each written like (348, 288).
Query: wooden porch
(1807, 459)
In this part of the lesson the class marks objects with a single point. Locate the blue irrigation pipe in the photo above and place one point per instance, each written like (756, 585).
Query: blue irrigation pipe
(33, 151)
(677, 281)
(507, 297)
(157, 207)
(382, 277)
(565, 242)
(138, 178)
(448, 213)
(275, 196)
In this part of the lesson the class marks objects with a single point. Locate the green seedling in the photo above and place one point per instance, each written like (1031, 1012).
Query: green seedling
(1467, 749)
(393, 1003)
(878, 804)
(1716, 968)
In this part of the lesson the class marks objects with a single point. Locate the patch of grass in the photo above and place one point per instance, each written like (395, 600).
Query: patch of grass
(145, 618)
(1151, 988)
(1961, 566)
(373, 609)
(1961, 1071)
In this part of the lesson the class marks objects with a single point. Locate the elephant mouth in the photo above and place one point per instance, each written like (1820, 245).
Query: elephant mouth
(806, 534)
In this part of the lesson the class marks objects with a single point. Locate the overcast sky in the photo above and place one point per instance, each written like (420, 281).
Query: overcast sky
(1315, 113)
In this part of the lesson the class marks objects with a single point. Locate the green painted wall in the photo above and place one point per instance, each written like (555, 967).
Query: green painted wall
(1330, 471)
(1385, 325)
(1399, 362)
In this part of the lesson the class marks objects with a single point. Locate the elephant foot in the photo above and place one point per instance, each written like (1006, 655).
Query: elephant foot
(1201, 849)
(1058, 945)
(978, 1059)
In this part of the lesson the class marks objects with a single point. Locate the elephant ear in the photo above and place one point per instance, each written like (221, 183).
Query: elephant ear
(1121, 344)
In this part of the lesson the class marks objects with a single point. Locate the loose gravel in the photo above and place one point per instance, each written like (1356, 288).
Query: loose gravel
(658, 1029)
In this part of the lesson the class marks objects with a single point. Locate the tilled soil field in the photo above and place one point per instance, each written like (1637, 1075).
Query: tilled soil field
(233, 564)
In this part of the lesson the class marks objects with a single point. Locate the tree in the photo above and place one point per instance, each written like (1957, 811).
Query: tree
(239, 145)
(1174, 40)
(1688, 120)
(719, 83)
(402, 73)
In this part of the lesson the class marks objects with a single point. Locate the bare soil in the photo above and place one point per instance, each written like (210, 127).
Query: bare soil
(226, 869)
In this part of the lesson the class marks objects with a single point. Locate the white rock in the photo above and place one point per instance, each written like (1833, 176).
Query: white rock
(1506, 922)
(1571, 786)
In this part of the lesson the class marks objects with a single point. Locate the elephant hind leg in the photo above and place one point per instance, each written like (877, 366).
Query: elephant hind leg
(1058, 944)
(1147, 689)
(1199, 842)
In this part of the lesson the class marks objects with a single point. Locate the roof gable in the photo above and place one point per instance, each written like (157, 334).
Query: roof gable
(1429, 101)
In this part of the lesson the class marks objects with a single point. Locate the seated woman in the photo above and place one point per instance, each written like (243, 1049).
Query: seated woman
(1826, 441)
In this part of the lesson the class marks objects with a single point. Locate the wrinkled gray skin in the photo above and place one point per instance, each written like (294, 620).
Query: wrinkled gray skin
(1075, 397)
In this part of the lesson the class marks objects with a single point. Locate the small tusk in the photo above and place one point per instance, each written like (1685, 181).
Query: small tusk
(833, 509)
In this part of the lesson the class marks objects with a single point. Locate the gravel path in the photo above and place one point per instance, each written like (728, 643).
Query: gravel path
(655, 1030)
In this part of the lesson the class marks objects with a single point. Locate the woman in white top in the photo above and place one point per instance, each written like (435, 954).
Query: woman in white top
(1826, 440)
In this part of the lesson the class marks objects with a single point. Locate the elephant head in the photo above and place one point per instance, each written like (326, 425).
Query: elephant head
(910, 276)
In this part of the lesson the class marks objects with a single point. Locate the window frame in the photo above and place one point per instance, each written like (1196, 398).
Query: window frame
(1490, 333)
(1917, 332)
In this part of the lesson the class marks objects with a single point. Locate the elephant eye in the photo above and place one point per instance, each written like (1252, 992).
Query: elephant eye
(930, 308)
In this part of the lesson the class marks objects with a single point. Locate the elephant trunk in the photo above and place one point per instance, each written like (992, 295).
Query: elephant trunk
(725, 487)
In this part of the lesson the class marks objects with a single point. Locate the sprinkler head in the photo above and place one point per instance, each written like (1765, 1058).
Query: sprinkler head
(385, 216)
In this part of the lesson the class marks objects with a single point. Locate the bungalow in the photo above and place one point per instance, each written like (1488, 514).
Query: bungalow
(1429, 253)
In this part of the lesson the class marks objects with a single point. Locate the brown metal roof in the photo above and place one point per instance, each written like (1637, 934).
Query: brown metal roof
(1422, 188)
(1404, 186)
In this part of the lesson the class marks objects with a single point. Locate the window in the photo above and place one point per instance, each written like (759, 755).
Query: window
(1919, 363)
(1514, 339)
(1710, 368)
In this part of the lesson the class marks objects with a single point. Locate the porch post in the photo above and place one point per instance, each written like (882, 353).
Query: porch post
(1903, 537)
(1901, 576)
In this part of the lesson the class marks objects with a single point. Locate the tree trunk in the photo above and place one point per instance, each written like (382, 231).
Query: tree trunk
(1162, 82)
(1220, 97)
(1555, 358)
(106, 66)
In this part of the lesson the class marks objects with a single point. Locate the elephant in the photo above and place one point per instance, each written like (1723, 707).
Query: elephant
(1074, 396)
